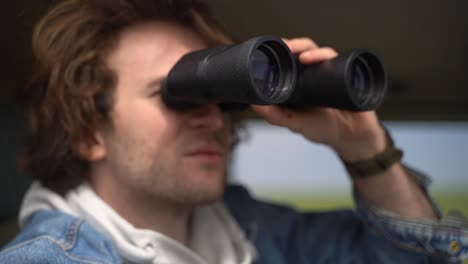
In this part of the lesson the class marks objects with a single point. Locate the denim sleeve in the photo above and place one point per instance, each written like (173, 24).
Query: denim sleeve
(447, 236)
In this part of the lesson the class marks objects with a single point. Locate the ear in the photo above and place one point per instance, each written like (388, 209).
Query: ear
(94, 149)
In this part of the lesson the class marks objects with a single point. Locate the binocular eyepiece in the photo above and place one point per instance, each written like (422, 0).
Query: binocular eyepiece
(263, 71)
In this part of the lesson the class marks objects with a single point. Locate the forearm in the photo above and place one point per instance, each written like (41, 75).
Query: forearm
(394, 201)
(392, 188)
(396, 191)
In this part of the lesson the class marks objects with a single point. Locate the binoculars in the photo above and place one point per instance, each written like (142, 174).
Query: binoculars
(263, 71)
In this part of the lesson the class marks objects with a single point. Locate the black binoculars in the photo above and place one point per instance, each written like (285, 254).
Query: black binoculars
(263, 71)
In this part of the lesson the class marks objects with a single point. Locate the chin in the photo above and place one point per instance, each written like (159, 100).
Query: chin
(209, 187)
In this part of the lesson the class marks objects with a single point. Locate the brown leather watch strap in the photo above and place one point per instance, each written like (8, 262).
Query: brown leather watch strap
(379, 163)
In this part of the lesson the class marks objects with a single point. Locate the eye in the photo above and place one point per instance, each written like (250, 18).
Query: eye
(155, 93)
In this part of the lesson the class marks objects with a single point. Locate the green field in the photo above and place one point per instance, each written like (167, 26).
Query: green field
(445, 200)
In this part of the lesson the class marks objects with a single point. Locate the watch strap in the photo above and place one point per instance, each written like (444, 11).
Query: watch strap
(377, 164)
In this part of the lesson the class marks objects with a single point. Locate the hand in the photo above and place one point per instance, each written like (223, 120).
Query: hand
(353, 135)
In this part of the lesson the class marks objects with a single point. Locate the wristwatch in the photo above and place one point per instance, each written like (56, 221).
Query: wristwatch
(377, 164)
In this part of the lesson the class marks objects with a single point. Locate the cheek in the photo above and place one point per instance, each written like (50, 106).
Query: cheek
(145, 123)
(151, 113)
(140, 141)
(153, 132)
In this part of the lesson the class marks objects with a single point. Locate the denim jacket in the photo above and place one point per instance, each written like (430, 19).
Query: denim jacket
(280, 235)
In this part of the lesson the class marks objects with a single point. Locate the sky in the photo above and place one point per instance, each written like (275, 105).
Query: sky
(273, 158)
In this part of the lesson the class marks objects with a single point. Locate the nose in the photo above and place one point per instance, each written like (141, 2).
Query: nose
(207, 116)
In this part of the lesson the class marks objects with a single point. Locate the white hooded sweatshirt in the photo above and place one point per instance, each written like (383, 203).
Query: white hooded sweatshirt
(216, 237)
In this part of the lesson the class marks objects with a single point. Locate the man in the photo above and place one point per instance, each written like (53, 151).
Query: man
(123, 178)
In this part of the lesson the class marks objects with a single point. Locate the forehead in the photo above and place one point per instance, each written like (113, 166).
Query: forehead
(152, 48)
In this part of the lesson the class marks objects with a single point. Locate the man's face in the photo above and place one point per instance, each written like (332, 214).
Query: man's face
(150, 150)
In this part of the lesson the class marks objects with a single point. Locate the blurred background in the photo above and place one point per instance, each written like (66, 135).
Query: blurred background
(423, 45)
(281, 166)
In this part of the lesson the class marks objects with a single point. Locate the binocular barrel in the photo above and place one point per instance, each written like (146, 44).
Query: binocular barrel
(263, 71)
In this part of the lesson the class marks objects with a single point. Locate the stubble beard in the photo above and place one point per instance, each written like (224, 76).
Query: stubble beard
(183, 188)
(163, 178)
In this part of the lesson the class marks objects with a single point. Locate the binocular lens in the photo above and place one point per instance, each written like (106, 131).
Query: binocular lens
(362, 80)
(265, 72)
(367, 80)
(258, 71)
(354, 81)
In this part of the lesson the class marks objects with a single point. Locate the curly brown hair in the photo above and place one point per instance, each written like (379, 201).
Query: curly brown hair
(70, 94)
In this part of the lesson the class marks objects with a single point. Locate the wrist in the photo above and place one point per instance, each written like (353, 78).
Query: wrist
(365, 147)
(378, 163)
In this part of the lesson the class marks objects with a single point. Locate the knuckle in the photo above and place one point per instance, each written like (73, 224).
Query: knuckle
(304, 41)
(309, 41)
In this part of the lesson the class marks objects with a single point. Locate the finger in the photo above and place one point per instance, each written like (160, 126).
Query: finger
(317, 55)
(294, 120)
(298, 45)
(272, 114)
